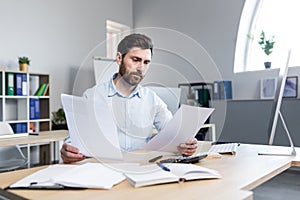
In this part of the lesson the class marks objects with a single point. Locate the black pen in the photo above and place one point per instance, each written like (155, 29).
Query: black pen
(155, 158)
(163, 166)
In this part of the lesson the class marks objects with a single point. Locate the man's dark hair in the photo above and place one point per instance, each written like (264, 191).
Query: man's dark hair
(135, 40)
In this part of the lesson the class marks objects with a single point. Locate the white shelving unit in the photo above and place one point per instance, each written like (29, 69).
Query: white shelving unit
(16, 109)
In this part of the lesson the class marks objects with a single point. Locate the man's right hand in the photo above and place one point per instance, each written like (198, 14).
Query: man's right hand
(70, 154)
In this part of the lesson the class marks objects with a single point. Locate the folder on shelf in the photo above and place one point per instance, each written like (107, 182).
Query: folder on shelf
(222, 89)
(227, 89)
(1, 84)
(46, 91)
(31, 109)
(18, 84)
(33, 84)
(19, 128)
(216, 92)
(34, 105)
(41, 89)
(24, 84)
(37, 109)
(10, 86)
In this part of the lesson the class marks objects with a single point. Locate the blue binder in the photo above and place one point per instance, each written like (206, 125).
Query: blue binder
(32, 109)
(18, 84)
(37, 109)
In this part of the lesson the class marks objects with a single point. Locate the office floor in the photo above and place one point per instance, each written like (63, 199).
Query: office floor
(284, 186)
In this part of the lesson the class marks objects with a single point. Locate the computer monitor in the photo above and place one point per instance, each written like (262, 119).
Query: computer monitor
(276, 111)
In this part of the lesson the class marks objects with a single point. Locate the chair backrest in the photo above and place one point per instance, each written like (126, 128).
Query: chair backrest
(5, 128)
(170, 95)
(11, 157)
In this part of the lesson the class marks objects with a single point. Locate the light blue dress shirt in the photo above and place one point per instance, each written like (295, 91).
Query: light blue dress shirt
(135, 115)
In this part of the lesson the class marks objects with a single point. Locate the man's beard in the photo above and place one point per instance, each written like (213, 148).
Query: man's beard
(132, 78)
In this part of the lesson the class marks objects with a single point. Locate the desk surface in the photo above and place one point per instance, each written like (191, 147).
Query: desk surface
(240, 174)
(45, 136)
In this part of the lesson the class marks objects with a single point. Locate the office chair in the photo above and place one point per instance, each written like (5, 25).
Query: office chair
(170, 95)
(11, 157)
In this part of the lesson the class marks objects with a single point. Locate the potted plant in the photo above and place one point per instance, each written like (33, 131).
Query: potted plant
(59, 121)
(24, 62)
(267, 46)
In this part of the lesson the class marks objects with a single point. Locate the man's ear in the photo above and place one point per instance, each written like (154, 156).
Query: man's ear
(119, 58)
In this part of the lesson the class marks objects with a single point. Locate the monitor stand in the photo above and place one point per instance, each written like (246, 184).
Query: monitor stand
(286, 152)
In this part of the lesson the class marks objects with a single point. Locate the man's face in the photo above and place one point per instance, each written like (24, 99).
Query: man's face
(134, 65)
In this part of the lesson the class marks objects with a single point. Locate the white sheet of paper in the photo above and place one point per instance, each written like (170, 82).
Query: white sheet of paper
(184, 125)
(91, 127)
(90, 175)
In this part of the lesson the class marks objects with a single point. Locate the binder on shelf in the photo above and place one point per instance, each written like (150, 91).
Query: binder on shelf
(227, 89)
(33, 84)
(1, 74)
(32, 109)
(18, 84)
(46, 91)
(37, 109)
(222, 90)
(34, 112)
(24, 84)
(41, 90)
(203, 97)
(10, 86)
(216, 93)
(19, 128)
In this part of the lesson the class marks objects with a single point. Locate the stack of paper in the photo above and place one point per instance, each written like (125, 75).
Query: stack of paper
(89, 175)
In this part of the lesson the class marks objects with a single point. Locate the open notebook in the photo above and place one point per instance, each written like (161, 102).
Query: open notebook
(178, 172)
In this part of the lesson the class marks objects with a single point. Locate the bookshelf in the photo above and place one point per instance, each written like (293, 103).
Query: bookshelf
(26, 112)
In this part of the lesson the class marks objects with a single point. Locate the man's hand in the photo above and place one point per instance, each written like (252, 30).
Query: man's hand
(70, 154)
(188, 148)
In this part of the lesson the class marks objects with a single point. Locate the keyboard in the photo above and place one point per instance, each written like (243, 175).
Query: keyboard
(229, 148)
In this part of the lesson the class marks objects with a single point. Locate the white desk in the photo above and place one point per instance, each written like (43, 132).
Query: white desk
(240, 174)
(43, 137)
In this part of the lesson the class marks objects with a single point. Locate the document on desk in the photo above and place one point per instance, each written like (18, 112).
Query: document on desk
(91, 127)
(89, 175)
(184, 125)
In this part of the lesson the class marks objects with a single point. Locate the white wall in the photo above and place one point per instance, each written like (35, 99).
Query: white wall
(58, 36)
(212, 24)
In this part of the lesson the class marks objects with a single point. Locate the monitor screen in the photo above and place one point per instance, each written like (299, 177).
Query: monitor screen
(278, 99)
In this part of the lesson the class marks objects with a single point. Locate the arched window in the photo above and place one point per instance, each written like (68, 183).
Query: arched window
(278, 19)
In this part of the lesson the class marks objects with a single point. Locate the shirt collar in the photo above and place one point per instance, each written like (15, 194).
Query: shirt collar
(112, 91)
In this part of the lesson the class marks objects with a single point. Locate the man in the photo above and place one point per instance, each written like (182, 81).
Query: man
(136, 109)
